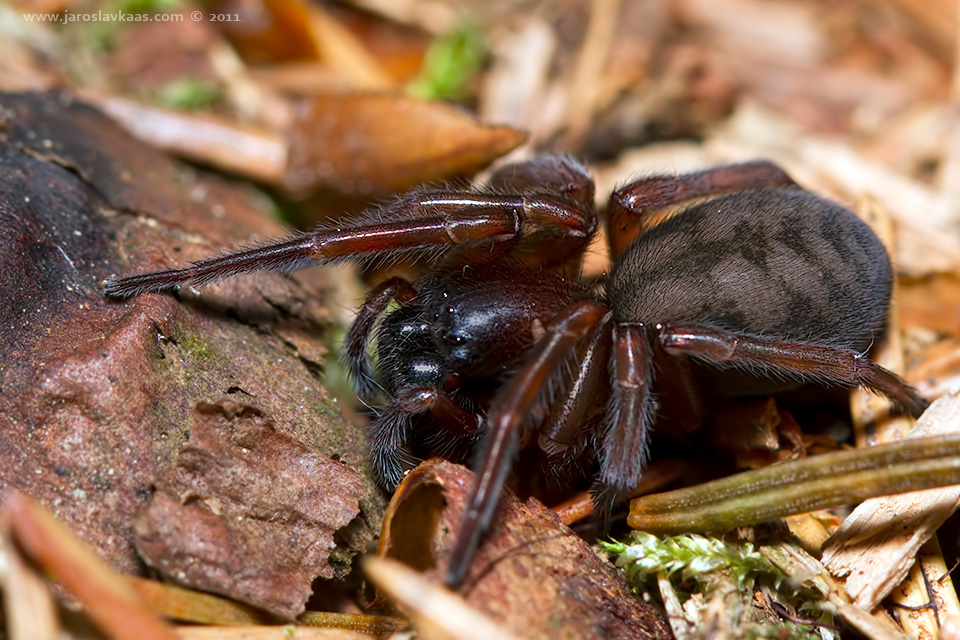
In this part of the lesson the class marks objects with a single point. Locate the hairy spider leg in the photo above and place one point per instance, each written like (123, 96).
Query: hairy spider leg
(550, 174)
(631, 205)
(510, 412)
(632, 408)
(389, 451)
(547, 173)
(797, 360)
(448, 411)
(426, 221)
(358, 337)
(563, 427)
(680, 402)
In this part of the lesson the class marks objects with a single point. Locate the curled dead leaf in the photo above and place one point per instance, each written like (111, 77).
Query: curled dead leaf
(531, 573)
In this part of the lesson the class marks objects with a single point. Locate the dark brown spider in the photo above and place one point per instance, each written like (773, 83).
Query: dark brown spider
(755, 291)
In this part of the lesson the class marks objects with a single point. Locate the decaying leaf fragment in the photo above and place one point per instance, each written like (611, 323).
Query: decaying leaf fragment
(367, 143)
(247, 511)
(878, 543)
(531, 574)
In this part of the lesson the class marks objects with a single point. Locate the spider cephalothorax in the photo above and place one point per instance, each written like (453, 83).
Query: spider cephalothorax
(756, 290)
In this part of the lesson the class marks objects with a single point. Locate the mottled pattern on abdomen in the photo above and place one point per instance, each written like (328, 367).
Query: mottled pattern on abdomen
(781, 263)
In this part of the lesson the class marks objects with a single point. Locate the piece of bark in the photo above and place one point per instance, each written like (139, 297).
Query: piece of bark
(247, 511)
(877, 544)
(531, 574)
(98, 394)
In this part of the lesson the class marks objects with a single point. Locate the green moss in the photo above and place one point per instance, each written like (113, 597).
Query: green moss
(697, 564)
(451, 63)
(187, 94)
(193, 346)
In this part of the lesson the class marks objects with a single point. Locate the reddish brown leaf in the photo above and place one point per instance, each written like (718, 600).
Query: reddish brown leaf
(269, 31)
(146, 56)
(932, 302)
(755, 432)
(531, 574)
(363, 143)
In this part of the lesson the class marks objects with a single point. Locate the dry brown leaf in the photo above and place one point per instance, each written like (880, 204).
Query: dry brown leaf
(936, 369)
(877, 544)
(269, 31)
(932, 302)
(531, 573)
(241, 149)
(370, 144)
(874, 421)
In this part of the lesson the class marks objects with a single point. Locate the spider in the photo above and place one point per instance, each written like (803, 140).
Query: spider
(760, 287)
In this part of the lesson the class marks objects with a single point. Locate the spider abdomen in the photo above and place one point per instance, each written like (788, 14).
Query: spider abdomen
(782, 262)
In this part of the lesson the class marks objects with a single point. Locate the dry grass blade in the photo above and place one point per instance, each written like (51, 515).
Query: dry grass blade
(108, 599)
(928, 595)
(287, 632)
(188, 605)
(194, 606)
(31, 613)
(436, 612)
(371, 625)
(798, 486)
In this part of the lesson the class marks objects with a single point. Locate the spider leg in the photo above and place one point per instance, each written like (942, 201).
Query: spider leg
(625, 444)
(424, 222)
(547, 173)
(510, 411)
(680, 403)
(390, 456)
(584, 398)
(358, 337)
(550, 174)
(796, 360)
(445, 409)
(631, 204)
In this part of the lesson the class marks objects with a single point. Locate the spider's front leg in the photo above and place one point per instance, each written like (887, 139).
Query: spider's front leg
(805, 362)
(632, 203)
(480, 225)
(509, 414)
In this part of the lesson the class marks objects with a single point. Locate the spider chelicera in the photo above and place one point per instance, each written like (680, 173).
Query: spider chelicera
(759, 288)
